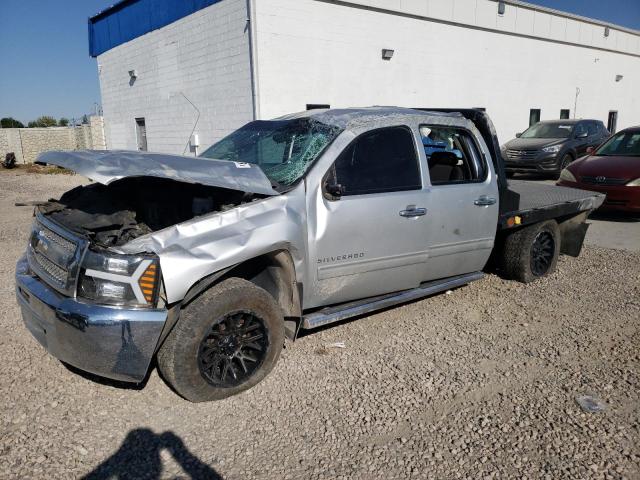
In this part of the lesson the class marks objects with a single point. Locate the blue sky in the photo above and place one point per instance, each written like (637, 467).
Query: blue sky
(45, 68)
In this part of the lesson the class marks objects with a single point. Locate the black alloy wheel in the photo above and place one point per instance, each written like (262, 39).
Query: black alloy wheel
(542, 253)
(233, 349)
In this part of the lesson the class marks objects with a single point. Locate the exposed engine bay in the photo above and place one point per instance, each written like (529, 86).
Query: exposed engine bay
(114, 214)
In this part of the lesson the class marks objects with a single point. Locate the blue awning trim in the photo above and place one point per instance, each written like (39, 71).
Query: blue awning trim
(131, 19)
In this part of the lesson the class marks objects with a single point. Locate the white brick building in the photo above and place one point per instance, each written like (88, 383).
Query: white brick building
(237, 60)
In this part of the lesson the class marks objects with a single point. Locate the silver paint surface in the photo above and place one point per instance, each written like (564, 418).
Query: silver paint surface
(111, 165)
(454, 237)
(303, 222)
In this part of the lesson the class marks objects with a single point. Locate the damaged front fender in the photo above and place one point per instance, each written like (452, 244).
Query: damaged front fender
(192, 250)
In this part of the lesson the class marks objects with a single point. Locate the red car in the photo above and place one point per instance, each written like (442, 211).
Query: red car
(613, 168)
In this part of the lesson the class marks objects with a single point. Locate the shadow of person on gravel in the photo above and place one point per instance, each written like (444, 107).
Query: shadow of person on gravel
(139, 458)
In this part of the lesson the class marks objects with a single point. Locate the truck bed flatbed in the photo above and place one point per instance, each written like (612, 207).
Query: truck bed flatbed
(534, 202)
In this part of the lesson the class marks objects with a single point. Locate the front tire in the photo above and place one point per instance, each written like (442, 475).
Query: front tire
(531, 252)
(225, 342)
(565, 162)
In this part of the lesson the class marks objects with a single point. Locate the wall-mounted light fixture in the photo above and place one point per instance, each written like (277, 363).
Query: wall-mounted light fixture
(387, 53)
(619, 77)
(501, 8)
(606, 31)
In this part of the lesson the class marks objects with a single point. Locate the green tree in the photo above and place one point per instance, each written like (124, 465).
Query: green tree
(63, 122)
(10, 122)
(43, 121)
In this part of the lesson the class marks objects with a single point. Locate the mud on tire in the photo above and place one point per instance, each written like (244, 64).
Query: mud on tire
(226, 341)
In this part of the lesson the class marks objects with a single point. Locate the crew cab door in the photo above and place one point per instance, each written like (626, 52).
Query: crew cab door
(462, 202)
(367, 229)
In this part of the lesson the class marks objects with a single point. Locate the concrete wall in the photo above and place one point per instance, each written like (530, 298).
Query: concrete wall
(28, 143)
(204, 56)
(448, 53)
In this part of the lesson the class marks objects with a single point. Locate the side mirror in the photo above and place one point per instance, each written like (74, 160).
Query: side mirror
(590, 150)
(518, 135)
(335, 190)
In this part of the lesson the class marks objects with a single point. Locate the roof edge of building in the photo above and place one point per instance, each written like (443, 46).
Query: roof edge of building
(573, 16)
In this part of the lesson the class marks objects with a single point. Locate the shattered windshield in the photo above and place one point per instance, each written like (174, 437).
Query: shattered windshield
(283, 149)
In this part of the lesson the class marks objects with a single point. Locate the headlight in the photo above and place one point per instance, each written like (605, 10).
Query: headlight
(113, 279)
(567, 176)
(552, 149)
(634, 183)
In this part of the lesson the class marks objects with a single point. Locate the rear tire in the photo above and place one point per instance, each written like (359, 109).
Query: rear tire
(531, 252)
(225, 342)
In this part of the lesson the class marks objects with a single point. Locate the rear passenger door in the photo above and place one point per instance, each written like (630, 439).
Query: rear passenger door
(368, 236)
(462, 202)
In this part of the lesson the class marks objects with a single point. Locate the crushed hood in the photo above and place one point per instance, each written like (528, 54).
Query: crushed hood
(106, 166)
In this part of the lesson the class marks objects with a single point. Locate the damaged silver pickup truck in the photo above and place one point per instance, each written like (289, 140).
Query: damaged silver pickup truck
(208, 263)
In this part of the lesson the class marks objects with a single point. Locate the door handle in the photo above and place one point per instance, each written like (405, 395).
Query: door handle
(484, 201)
(412, 211)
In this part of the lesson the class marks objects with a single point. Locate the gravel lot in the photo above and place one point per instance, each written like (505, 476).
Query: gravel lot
(479, 383)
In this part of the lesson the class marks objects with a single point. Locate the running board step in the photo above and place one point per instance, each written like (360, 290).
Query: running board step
(352, 309)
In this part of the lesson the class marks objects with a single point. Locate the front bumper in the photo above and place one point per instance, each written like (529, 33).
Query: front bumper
(619, 197)
(543, 163)
(113, 342)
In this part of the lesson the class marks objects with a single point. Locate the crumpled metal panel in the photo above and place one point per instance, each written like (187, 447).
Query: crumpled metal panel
(204, 245)
(106, 166)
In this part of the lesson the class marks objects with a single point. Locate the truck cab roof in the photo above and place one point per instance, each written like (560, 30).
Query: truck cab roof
(367, 117)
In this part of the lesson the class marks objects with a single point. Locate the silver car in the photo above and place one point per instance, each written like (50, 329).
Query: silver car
(292, 223)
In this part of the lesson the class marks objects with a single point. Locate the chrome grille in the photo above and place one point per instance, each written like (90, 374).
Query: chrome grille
(602, 180)
(54, 255)
(522, 154)
(59, 240)
(58, 274)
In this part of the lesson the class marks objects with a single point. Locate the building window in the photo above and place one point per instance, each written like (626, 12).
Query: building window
(141, 134)
(612, 121)
(564, 113)
(534, 116)
(317, 106)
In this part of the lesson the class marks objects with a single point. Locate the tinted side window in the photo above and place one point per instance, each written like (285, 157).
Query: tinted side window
(580, 129)
(383, 160)
(603, 129)
(452, 156)
(592, 128)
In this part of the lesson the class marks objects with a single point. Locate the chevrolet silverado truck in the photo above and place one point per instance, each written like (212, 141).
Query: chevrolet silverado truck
(208, 263)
